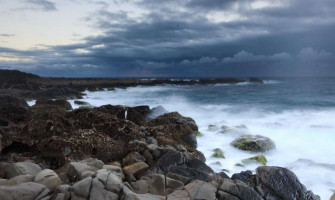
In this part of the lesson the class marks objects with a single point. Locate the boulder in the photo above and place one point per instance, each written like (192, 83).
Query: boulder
(132, 157)
(111, 180)
(21, 168)
(76, 170)
(24, 191)
(82, 188)
(141, 186)
(131, 171)
(48, 178)
(170, 158)
(93, 162)
(253, 143)
(98, 191)
(174, 118)
(280, 183)
(17, 180)
(157, 184)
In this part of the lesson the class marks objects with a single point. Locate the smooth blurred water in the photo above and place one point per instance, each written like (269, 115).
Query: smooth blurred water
(298, 114)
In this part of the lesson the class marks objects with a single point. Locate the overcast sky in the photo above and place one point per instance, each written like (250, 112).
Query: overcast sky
(168, 38)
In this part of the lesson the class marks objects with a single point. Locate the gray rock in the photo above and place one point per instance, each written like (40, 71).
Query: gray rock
(18, 180)
(21, 168)
(110, 179)
(170, 158)
(75, 170)
(281, 183)
(24, 191)
(82, 188)
(253, 143)
(157, 185)
(93, 162)
(237, 189)
(189, 173)
(48, 178)
(128, 194)
(141, 186)
(195, 190)
(98, 191)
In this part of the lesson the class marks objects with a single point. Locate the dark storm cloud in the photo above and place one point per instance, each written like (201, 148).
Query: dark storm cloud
(43, 4)
(178, 39)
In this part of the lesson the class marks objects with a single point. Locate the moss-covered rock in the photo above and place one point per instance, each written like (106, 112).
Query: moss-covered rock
(253, 143)
(198, 133)
(239, 165)
(260, 159)
(241, 129)
(218, 153)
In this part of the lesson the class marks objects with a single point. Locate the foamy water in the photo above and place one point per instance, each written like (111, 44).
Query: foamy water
(298, 133)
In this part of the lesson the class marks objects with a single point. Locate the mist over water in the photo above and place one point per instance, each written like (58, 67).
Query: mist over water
(297, 114)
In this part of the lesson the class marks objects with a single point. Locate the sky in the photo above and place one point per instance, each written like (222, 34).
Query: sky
(181, 38)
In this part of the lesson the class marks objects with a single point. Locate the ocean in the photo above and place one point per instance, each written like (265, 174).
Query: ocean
(298, 114)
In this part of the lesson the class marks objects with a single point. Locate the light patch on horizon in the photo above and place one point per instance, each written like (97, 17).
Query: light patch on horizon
(10, 59)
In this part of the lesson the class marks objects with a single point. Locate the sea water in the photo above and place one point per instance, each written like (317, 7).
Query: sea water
(298, 114)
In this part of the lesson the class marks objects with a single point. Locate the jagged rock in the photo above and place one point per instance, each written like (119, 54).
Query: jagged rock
(133, 170)
(59, 105)
(254, 143)
(172, 185)
(48, 178)
(82, 188)
(281, 183)
(26, 191)
(237, 189)
(21, 168)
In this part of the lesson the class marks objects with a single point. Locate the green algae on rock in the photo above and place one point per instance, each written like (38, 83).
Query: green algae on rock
(260, 159)
(218, 153)
(253, 143)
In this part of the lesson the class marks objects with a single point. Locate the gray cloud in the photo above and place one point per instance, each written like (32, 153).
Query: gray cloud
(43, 4)
(176, 38)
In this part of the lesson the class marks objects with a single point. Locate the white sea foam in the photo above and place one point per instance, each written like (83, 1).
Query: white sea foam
(298, 134)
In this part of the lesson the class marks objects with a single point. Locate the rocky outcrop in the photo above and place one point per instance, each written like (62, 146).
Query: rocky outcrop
(114, 152)
(253, 143)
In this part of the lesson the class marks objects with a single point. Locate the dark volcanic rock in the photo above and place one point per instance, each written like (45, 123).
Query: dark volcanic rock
(280, 183)
(13, 109)
(255, 80)
(174, 118)
(189, 173)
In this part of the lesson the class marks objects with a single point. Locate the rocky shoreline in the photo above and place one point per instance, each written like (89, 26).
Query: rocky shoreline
(30, 86)
(51, 152)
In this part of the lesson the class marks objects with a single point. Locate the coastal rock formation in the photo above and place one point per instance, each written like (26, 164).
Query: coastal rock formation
(114, 152)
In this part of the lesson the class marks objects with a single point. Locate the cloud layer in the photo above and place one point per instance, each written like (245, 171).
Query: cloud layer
(192, 38)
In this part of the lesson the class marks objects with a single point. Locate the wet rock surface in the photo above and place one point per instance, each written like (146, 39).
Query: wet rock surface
(115, 152)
